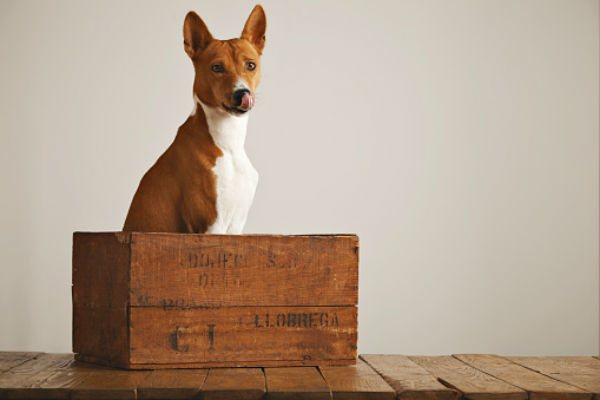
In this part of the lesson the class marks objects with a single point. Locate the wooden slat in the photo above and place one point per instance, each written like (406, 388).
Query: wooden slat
(234, 383)
(24, 381)
(172, 384)
(76, 380)
(539, 386)
(11, 359)
(357, 382)
(474, 384)
(107, 384)
(583, 372)
(235, 336)
(226, 364)
(64, 378)
(302, 383)
(233, 270)
(88, 381)
(408, 379)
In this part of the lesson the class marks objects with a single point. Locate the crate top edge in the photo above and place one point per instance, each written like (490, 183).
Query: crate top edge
(127, 233)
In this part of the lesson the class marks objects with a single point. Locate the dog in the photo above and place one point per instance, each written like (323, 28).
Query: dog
(204, 182)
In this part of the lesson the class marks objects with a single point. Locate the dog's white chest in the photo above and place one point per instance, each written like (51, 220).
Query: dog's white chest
(236, 185)
(236, 178)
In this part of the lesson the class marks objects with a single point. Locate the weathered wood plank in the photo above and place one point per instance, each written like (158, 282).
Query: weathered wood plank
(234, 384)
(64, 377)
(301, 383)
(172, 384)
(583, 372)
(24, 381)
(474, 384)
(409, 380)
(11, 359)
(107, 384)
(539, 386)
(234, 270)
(229, 364)
(242, 334)
(357, 382)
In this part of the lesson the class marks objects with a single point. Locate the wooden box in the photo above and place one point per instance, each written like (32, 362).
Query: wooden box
(162, 300)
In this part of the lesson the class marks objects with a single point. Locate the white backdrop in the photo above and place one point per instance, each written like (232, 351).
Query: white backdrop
(458, 138)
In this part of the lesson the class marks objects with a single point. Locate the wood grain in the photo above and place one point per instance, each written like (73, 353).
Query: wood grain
(76, 380)
(64, 378)
(58, 376)
(299, 383)
(582, 372)
(234, 384)
(357, 382)
(474, 384)
(11, 359)
(24, 380)
(539, 386)
(250, 270)
(242, 335)
(172, 384)
(409, 380)
(224, 364)
(108, 385)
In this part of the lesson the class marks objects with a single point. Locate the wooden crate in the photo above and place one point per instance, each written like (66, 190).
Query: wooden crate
(161, 300)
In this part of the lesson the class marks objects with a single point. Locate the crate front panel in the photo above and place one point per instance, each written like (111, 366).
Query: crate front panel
(242, 334)
(170, 270)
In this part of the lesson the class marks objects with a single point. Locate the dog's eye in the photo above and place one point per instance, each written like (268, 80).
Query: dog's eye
(217, 68)
(250, 66)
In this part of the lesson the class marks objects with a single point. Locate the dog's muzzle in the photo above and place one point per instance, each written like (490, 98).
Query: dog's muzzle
(243, 100)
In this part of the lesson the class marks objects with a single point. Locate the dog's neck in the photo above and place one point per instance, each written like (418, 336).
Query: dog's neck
(227, 131)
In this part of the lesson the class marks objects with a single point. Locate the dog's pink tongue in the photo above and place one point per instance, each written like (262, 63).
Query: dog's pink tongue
(247, 102)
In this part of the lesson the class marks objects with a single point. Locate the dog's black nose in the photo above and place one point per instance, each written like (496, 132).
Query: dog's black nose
(238, 95)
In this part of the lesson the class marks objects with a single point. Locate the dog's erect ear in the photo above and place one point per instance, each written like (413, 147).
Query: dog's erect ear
(196, 35)
(255, 28)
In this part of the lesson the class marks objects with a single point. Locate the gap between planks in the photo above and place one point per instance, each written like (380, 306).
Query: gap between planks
(472, 383)
(579, 371)
(538, 386)
(408, 379)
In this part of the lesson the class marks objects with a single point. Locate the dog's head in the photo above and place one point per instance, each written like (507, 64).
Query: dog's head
(227, 71)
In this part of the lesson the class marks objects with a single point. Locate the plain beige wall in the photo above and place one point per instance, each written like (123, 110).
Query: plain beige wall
(459, 139)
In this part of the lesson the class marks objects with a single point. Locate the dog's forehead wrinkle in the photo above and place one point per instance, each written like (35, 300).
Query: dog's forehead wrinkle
(227, 51)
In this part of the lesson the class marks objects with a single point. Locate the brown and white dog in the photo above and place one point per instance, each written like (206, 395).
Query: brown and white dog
(204, 182)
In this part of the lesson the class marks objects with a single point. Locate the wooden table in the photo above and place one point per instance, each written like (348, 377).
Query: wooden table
(469, 376)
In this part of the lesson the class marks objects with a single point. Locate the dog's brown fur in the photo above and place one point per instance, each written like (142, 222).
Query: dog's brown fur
(178, 194)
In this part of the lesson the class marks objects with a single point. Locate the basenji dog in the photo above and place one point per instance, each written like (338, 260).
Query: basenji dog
(204, 182)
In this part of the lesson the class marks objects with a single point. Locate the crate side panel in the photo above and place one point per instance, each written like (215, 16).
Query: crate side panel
(230, 270)
(100, 333)
(100, 296)
(101, 269)
(236, 335)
